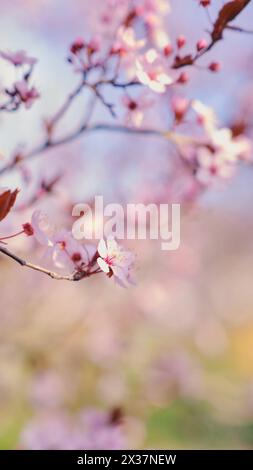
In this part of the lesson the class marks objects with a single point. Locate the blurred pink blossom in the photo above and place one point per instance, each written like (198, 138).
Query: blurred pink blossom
(18, 58)
(151, 70)
(113, 260)
(28, 95)
(90, 430)
(136, 108)
(126, 42)
(62, 248)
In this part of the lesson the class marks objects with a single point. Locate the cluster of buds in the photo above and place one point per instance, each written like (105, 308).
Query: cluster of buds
(83, 54)
(21, 92)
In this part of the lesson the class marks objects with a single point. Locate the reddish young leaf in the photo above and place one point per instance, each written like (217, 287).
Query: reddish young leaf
(227, 14)
(7, 201)
(182, 61)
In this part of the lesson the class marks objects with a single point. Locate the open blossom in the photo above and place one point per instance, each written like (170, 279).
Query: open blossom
(126, 42)
(153, 9)
(206, 116)
(151, 71)
(243, 146)
(27, 94)
(18, 58)
(66, 252)
(219, 150)
(62, 248)
(152, 13)
(221, 138)
(212, 166)
(161, 7)
(114, 261)
(42, 228)
(136, 108)
(233, 148)
(127, 47)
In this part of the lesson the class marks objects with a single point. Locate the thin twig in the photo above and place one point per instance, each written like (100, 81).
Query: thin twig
(66, 105)
(239, 30)
(48, 145)
(76, 276)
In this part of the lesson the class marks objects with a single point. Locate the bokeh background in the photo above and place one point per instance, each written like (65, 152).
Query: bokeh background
(174, 353)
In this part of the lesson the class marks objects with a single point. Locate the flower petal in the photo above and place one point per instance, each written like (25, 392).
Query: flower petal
(103, 265)
(102, 248)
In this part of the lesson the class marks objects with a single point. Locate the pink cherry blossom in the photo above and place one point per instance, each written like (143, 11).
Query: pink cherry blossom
(206, 116)
(153, 12)
(62, 249)
(217, 151)
(126, 127)
(136, 108)
(213, 166)
(42, 228)
(127, 47)
(153, 8)
(66, 252)
(151, 70)
(233, 149)
(126, 42)
(244, 148)
(27, 94)
(113, 260)
(18, 58)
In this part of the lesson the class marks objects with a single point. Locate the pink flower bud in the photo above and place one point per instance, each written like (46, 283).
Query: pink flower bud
(94, 46)
(180, 107)
(76, 257)
(205, 3)
(215, 66)
(181, 41)
(77, 45)
(201, 44)
(168, 50)
(28, 229)
(183, 78)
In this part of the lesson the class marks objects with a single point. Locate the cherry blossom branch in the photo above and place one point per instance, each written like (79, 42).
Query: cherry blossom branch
(45, 188)
(76, 276)
(51, 123)
(98, 94)
(228, 13)
(126, 130)
(116, 84)
(50, 144)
